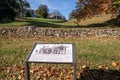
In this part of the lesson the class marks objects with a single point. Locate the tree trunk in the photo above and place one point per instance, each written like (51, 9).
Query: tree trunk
(118, 18)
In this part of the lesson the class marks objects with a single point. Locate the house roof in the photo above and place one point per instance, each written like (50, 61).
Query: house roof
(56, 13)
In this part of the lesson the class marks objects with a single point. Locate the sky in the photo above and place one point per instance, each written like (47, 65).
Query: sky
(64, 6)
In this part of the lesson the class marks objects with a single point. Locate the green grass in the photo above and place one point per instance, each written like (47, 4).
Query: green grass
(45, 20)
(98, 22)
(99, 53)
(87, 50)
(39, 22)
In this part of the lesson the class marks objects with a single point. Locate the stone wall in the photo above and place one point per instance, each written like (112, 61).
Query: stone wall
(58, 32)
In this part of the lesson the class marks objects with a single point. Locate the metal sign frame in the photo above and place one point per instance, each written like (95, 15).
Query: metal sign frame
(27, 70)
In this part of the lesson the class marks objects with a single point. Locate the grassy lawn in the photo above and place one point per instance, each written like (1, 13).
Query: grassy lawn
(92, 52)
(103, 21)
(39, 22)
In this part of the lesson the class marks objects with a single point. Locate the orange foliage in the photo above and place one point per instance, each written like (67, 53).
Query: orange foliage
(89, 8)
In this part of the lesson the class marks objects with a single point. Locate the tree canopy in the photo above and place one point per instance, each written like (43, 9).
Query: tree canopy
(42, 11)
(10, 8)
(23, 5)
(7, 9)
(89, 8)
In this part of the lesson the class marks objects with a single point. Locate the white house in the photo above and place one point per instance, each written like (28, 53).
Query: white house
(56, 15)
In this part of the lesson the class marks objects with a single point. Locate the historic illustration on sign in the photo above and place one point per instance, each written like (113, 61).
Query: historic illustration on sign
(52, 50)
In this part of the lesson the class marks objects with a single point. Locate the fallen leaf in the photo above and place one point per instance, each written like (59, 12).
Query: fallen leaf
(114, 64)
(84, 67)
(106, 68)
(100, 67)
(20, 77)
(8, 69)
(32, 71)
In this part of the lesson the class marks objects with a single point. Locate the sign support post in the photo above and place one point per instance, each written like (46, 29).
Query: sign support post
(74, 73)
(27, 72)
(74, 62)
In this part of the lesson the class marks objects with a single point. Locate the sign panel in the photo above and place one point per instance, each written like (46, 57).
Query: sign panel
(60, 53)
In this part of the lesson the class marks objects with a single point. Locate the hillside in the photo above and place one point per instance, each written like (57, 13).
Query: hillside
(95, 20)
(101, 21)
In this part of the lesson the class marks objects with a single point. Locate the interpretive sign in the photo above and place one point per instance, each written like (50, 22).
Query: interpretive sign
(51, 53)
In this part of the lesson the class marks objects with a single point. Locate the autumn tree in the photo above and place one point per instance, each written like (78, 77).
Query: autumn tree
(42, 11)
(117, 4)
(71, 16)
(89, 8)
